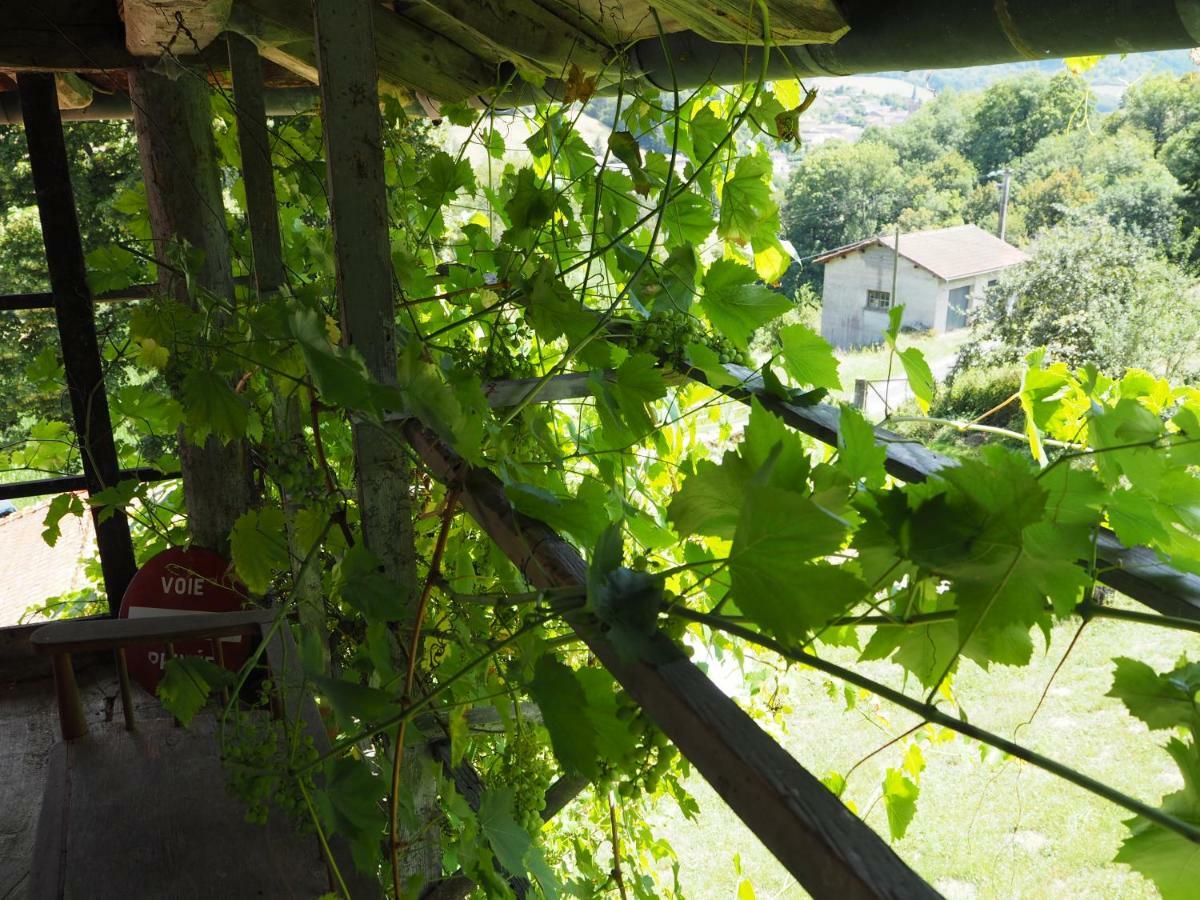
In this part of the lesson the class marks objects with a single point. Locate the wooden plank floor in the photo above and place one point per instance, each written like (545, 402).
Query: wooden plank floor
(28, 730)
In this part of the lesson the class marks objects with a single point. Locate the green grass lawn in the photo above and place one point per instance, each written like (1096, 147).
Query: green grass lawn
(872, 362)
(985, 826)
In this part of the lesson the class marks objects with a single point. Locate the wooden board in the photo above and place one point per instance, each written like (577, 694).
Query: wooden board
(146, 814)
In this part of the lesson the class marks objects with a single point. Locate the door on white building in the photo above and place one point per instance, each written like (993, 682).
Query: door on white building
(956, 312)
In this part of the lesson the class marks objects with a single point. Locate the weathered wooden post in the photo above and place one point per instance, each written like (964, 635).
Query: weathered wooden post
(173, 119)
(76, 324)
(345, 40)
(262, 215)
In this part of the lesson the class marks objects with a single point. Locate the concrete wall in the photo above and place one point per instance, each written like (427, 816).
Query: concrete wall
(845, 319)
(977, 284)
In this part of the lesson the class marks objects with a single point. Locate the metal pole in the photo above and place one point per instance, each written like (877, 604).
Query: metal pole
(73, 313)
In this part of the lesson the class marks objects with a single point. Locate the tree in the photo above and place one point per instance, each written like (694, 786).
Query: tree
(1093, 294)
(1112, 174)
(1013, 115)
(933, 130)
(841, 193)
(1181, 155)
(1161, 105)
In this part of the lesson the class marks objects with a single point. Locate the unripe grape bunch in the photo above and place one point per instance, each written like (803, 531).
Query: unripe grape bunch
(667, 334)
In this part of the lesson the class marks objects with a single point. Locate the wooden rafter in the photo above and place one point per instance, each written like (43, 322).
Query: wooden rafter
(825, 846)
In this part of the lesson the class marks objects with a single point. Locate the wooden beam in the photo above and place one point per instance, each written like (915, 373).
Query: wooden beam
(829, 850)
(173, 120)
(518, 31)
(1136, 572)
(409, 56)
(108, 634)
(43, 487)
(63, 35)
(739, 22)
(262, 216)
(73, 314)
(177, 27)
(345, 41)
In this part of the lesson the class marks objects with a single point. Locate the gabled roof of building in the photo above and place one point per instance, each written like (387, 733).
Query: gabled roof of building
(949, 253)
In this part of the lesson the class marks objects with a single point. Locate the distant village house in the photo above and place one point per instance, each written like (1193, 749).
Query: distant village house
(941, 275)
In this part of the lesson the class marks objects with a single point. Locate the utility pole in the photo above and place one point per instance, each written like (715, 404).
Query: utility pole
(1006, 176)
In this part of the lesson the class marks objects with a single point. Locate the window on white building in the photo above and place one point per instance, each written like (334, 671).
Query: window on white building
(879, 300)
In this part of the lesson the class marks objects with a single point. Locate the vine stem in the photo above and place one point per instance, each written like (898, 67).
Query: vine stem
(414, 646)
(423, 702)
(930, 713)
(618, 877)
(975, 426)
(1086, 611)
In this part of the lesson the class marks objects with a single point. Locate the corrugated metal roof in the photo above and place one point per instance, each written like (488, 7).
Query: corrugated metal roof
(948, 253)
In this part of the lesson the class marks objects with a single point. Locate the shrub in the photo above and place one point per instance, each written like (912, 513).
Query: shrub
(975, 391)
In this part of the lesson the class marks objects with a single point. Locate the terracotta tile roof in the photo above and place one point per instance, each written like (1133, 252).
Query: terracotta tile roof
(948, 253)
(32, 570)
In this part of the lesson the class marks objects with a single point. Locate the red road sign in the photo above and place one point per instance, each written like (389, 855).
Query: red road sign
(176, 582)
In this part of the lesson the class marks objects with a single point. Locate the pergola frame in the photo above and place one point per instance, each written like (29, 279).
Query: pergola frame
(828, 849)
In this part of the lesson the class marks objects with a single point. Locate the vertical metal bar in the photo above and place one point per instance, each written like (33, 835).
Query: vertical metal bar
(70, 706)
(73, 312)
(126, 690)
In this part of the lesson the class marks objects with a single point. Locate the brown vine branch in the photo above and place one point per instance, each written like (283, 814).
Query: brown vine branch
(414, 646)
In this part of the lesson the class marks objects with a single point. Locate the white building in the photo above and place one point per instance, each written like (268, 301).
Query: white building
(940, 276)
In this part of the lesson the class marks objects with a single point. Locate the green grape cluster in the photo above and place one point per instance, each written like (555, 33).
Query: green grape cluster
(254, 761)
(652, 757)
(667, 333)
(503, 356)
(528, 774)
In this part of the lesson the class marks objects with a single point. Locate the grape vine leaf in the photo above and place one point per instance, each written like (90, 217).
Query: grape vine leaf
(776, 581)
(359, 580)
(688, 218)
(561, 699)
(187, 683)
(530, 206)
(900, 800)
(211, 407)
(338, 373)
(444, 178)
(352, 701)
(623, 599)
(62, 505)
(710, 499)
(258, 547)
(919, 375)
(748, 209)
(859, 456)
(735, 304)
(808, 357)
(583, 516)
(508, 840)
(1160, 700)
(916, 369)
(1168, 858)
(350, 804)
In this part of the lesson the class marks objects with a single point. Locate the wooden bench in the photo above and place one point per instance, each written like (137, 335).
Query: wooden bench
(140, 808)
